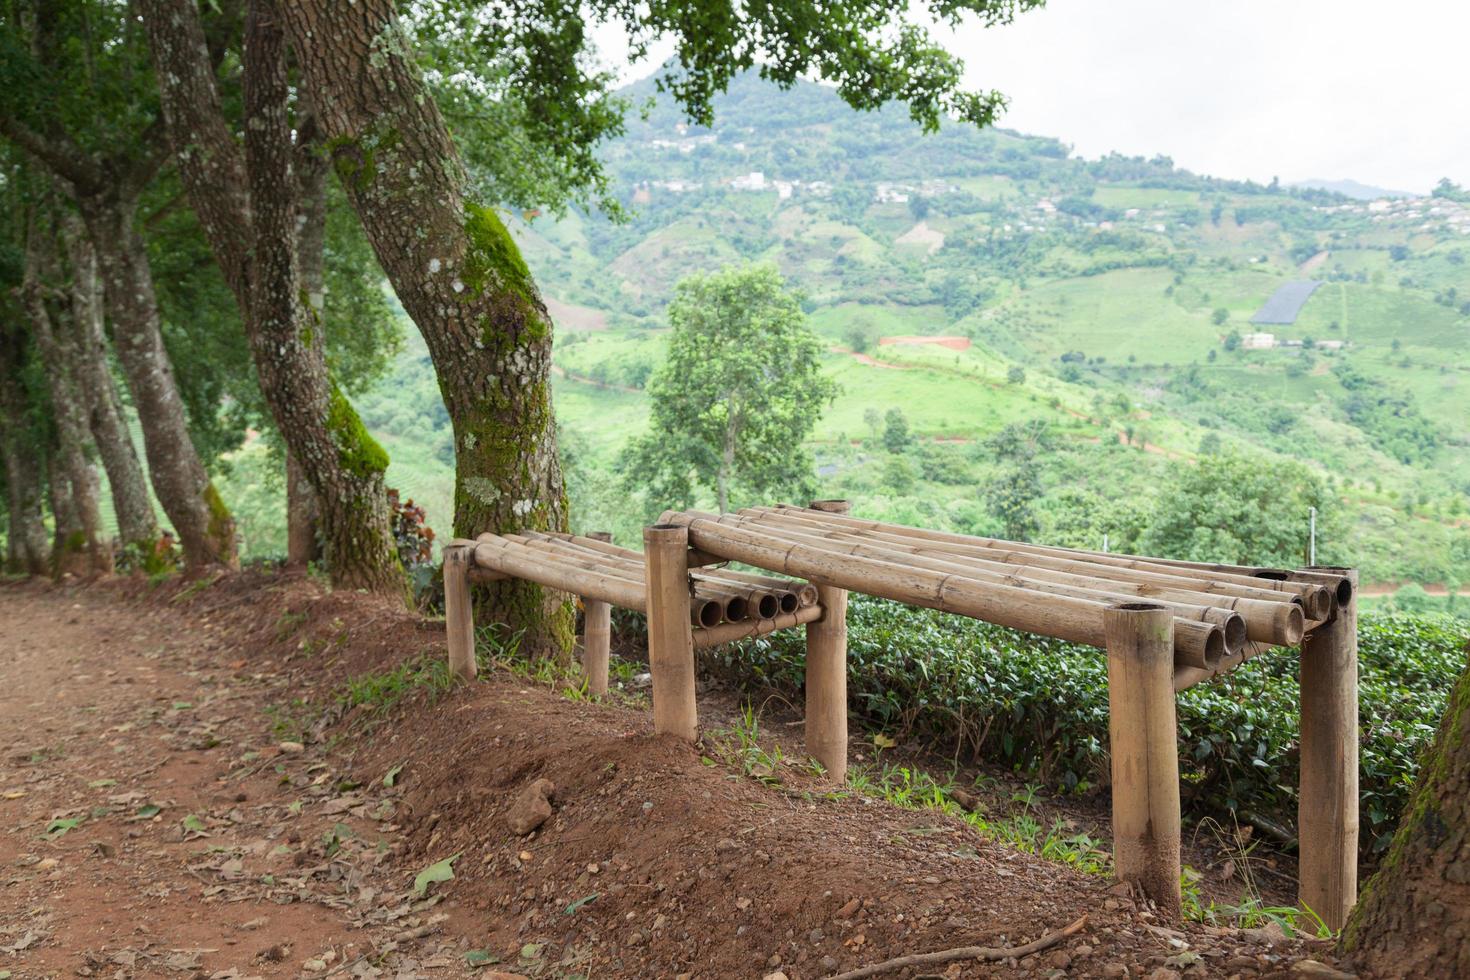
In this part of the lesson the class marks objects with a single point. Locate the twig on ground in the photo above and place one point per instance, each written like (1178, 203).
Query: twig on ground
(964, 953)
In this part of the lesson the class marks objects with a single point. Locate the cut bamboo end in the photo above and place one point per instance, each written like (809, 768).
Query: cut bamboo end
(751, 628)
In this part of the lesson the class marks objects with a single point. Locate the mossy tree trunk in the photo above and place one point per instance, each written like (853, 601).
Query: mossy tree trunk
(458, 274)
(200, 518)
(137, 525)
(105, 189)
(26, 551)
(80, 547)
(247, 203)
(1413, 917)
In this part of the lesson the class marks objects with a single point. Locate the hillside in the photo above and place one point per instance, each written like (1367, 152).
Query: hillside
(1122, 289)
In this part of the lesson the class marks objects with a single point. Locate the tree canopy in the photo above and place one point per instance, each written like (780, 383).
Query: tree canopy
(737, 396)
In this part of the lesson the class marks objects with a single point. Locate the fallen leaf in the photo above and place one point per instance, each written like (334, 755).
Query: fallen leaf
(194, 824)
(56, 828)
(436, 872)
(883, 741)
(149, 811)
(13, 794)
(571, 909)
(102, 783)
(474, 957)
(391, 777)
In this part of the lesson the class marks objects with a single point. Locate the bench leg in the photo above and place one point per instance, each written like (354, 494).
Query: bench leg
(826, 673)
(670, 635)
(1145, 750)
(1327, 808)
(459, 612)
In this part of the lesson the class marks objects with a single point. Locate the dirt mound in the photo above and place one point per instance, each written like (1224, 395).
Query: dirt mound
(659, 858)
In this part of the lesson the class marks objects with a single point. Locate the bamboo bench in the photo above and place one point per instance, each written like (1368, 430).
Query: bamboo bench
(1166, 625)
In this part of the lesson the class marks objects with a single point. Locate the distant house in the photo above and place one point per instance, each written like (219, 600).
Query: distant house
(891, 193)
(1257, 341)
(753, 181)
(1331, 344)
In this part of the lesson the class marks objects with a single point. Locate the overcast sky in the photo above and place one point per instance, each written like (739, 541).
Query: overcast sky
(1374, 91)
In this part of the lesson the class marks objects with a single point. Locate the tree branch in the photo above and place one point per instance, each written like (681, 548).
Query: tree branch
(58, 154)
(988, 953)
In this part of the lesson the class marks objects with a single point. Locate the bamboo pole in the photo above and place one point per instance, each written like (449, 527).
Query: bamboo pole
(503, 556)
(1176, 580)
(459, 612)
(1144, 741)
(1317, 603)
(596, 636)
(1232, 625)
(826, 673)
(1067, 618)
(1327, 809)
(670, 641)
(738, 600)
(706, 610)
(751, 628)
(1242, 619)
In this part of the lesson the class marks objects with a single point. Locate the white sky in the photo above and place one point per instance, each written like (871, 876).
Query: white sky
(1374, 91)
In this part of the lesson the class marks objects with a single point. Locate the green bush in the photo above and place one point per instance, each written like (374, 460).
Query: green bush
(1040, 706)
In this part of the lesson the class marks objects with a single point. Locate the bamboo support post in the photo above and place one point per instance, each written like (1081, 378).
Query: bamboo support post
(596, 636)
(751, 628)
(670, 639)
(1145, 750)
(826, 673)
(459, 611)
(1327, 810)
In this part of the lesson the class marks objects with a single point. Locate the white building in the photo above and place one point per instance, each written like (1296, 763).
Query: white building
(1257, 341)
(753, 181)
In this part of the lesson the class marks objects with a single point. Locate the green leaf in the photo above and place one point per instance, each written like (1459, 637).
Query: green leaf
(102, 783)
(391, 776)
(531, 951)
(436, 872)
(149, 810)
(56, 828)
(194, 823)
(480, 957)
(571, 909)
(182, 706)
(883, 741)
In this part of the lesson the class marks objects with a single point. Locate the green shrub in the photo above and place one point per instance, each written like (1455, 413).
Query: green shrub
(1040, 706)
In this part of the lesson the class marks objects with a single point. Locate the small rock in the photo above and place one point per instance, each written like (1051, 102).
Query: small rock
(313, 966)
(291, 748)
(1114, 970)
(725, 844)
(660, 922)
(1081, 951)
(525, 857)
(774, 961)
(1164, 973)
(816, 935)
(849, 910)
(778, 975)
(1059, 960)
(742, 904)
(829, 963)
(532, 808)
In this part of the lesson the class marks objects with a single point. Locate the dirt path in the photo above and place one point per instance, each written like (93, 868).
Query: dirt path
(153, 827)
(244, 778)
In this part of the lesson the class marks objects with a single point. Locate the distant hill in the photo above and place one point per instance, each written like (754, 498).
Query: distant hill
(1352, 189)
(1108, 297)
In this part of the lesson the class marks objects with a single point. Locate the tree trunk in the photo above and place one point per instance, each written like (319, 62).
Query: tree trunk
(80, 546)
(26, 538)
(1413, 918)
(205, 528)
(137, 525)
(248, 209)
(459, 276)
(68, 557)
(302, 516)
